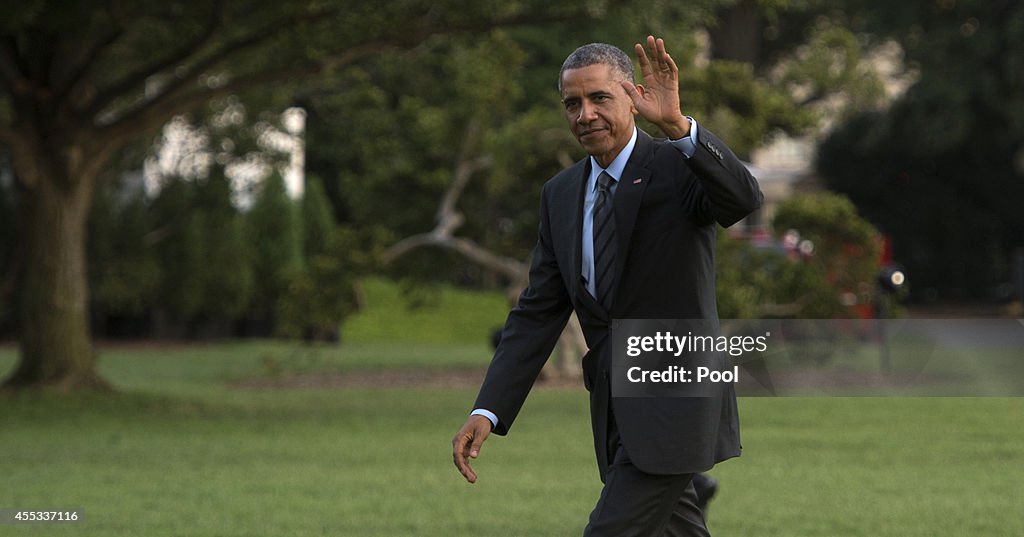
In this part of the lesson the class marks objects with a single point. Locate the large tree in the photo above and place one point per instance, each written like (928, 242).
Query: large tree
(81, 80)
(942, 170)
(471, 173)
(419, 125)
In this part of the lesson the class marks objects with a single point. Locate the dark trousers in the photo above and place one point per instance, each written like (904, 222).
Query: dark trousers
(637, 504)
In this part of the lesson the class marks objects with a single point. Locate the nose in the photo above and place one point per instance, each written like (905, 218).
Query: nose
(587, 112)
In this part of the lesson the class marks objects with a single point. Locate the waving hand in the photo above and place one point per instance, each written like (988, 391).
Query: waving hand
(657, 99)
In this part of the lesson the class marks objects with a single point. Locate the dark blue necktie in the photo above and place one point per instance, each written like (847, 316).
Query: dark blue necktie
(604, 241)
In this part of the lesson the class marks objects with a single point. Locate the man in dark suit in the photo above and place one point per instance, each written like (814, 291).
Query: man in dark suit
(628, 232)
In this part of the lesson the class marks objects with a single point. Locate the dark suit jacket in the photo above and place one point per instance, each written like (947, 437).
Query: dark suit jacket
(665, 229)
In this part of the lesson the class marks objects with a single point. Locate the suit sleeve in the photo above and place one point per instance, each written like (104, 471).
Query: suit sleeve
(726, 191)
(531, 331)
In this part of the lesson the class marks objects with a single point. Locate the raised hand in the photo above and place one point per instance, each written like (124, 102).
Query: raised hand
(657, 99)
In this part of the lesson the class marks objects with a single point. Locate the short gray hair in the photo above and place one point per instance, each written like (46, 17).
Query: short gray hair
(598, 53)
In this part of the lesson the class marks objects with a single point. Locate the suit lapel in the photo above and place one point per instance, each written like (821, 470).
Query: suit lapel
(628, 195)
(585, 299)
(576, 213)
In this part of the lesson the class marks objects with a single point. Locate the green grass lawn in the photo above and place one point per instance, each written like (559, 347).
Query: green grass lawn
(178, 452)
(377, 462)
(448, 315)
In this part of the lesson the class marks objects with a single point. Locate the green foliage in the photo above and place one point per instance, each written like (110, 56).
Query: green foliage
(452, 315)
(941, 171)
(317, 217)
(811, 65)
(124, 270)
(846, 247)
(203, 257)
(763, 282)
(177, 240)
(386, 134)
(228, 278)
(274, 229)
(832, 61)
(824, 216)
(729, 99)
(191, 254)
(768, 281)
(322, 294)
(84, 79)
(422, 114)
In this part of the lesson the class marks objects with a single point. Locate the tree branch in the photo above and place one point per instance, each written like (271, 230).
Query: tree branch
(815, 96)
(85, 62)
(7, 136)
(572, 344)
(42, 60)
(464, 170)
(107, 95)
(152, 115)
(10, 71)
(171, 101)
(510, 268)
(449, 219)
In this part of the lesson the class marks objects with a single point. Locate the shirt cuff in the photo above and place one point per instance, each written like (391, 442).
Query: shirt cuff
(687, 145)
(487, 414)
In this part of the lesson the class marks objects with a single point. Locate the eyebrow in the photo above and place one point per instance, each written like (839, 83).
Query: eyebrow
(591, 95)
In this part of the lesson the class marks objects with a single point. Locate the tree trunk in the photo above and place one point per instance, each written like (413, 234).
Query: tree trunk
(737, 36)
(53, 295)
(568, 362)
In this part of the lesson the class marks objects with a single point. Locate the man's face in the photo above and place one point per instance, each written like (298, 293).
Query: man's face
(599, 111)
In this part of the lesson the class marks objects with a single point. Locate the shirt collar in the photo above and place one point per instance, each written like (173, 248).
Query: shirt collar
(617, 166)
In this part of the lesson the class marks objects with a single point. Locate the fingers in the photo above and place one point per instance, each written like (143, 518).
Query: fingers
(460, 452)
(467, 444)
(641, 58)
(670, 64)
(659, 61)
(478, 441)
(633, 91)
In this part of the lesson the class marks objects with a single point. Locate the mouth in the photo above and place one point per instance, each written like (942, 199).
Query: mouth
(590, 132)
